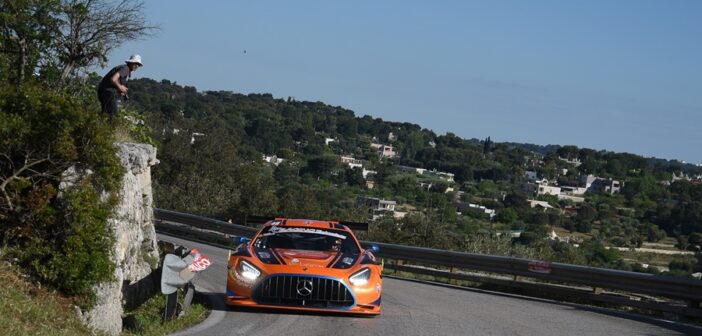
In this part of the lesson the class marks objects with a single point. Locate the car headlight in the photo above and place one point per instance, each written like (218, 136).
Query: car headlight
(247, 270)
(361, 277)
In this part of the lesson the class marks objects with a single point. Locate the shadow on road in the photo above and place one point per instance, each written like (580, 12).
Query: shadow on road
(215, 302)
(687, 329)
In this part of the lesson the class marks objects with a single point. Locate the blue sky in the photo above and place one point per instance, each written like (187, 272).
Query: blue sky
(620, 75)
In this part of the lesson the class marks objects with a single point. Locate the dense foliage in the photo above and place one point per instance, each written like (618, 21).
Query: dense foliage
(211, 147)
(59, 172)
(63, 240)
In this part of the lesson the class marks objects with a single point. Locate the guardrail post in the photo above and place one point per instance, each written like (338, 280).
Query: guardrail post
(189, 293)
(518, 278)
(597, 290)
(453, 281)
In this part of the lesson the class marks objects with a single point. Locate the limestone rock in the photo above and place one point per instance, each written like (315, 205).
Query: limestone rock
(136, 251)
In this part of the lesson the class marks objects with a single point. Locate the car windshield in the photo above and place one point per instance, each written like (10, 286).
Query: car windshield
(310, 239)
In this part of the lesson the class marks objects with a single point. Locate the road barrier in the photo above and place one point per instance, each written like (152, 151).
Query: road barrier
(640, 290)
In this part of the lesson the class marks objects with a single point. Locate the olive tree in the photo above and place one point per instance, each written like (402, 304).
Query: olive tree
(54, 39)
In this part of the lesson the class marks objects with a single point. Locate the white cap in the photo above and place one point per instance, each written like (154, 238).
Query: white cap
(135, 59)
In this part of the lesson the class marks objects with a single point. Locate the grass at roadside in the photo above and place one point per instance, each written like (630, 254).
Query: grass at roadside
(150, 313)
(26, 309)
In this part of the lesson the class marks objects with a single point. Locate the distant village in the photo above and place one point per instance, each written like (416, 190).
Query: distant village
(533, 185)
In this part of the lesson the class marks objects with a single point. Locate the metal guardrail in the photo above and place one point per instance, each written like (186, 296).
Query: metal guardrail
(204, 223)
(676, 288)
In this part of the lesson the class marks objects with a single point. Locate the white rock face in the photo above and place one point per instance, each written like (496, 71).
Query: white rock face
(136, 251)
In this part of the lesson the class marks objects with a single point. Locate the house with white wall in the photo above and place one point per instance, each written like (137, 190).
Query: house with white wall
(384, 151)
(350, 162)
(272, 159)
(376, 207)
(548, 190)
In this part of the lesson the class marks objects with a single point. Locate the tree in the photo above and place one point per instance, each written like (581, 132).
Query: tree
(586, 214)
(515, 200)
(568, 152)
(27, 30)
(322, 165)
(354, 177)
(93, 28)
(507, 216)
(43, 134)
(598, 255)
(653, 233)
(487, 145)
(55, 38)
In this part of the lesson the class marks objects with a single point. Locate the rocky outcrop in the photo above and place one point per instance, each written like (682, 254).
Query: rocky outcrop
(135, 251)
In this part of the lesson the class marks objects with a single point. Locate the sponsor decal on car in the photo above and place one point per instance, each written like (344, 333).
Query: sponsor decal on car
(277, 229)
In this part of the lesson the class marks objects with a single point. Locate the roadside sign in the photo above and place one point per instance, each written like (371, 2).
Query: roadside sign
(200, 263)
(538, 266)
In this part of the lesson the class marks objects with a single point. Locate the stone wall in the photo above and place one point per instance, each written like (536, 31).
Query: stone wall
(136, 251)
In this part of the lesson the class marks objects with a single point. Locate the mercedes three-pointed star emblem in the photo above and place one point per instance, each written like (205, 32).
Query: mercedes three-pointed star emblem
(304, 287)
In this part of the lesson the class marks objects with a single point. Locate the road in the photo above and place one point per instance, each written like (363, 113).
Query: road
(412, 308)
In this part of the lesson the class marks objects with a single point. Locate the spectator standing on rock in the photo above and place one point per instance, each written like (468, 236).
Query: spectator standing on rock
(114, 83)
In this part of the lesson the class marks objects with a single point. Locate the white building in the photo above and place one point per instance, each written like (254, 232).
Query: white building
(575, 191)
(195, 134)
(576, 162)
(385, 151)
(531, 175)
(407, 169)
(272, 159)
(351, 162)
(548, 190)
(365, 172)
(466, 207)
(376, 207)
(594, 183)
(441, 175)
(541, 204)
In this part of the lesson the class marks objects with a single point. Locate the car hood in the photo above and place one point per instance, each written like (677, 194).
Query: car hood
(306, 258)
(317, 259)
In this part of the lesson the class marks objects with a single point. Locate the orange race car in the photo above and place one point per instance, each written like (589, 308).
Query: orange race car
(305, 264)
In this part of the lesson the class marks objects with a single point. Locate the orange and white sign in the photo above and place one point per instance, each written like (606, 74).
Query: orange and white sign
(201, 262)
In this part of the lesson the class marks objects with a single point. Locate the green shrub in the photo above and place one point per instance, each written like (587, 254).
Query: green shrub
(64, 242)
(599, 256)
(131, 127)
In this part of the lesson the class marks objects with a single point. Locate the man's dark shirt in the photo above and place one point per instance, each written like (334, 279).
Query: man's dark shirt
(106, 82)
(108, 93)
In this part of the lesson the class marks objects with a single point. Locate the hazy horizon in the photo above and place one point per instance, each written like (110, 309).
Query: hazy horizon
(622, 77)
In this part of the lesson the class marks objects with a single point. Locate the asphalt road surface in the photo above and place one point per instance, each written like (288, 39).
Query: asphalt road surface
(412, 308)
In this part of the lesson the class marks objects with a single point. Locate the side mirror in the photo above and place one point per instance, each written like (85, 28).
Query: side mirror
(241, 239)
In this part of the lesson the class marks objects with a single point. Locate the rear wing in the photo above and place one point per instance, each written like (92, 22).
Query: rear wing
(257, 220)
(260, 220)
(356, 226)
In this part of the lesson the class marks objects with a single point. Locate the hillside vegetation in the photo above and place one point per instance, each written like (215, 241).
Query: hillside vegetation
(30, 310)
(228, 155)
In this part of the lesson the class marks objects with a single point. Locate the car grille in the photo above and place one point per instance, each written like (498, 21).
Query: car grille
(303, 291)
